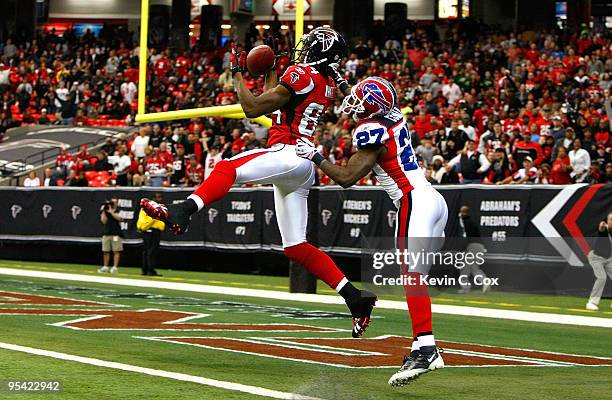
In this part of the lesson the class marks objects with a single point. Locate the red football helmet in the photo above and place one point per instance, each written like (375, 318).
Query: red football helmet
(372, 96)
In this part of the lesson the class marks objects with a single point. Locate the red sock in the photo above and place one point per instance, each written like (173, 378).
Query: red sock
(419, 305)
(317, 262)
(218, 183)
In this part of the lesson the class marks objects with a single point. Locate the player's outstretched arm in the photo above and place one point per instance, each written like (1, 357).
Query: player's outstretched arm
(252, 106)
(271, 80)
(263, 104)
(358, 166)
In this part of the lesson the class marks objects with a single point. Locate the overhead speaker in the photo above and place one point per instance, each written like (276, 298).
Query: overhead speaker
(159, 25)
(181, 18)
(353, 18)
(396, 18)
(210, 31)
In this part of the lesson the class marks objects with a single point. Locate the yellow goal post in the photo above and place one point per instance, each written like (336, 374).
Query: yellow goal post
(230, 111)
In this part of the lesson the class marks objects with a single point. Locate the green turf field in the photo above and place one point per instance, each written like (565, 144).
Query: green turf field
(122, 338)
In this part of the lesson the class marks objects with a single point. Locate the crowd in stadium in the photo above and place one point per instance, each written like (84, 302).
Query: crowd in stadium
(532, 107)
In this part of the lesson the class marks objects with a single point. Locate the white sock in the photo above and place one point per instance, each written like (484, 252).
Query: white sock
(199, 202)
(426, 340)
(415, 345)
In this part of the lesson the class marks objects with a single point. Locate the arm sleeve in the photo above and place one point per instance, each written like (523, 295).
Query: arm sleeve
(370, 135)
(297, 80)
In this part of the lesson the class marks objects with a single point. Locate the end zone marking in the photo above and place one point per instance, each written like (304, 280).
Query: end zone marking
(379, 352)
(528, 316)
(256, 390)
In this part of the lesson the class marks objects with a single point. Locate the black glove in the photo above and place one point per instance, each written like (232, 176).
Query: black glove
(272, 42)
(341, 83)
(237, 61)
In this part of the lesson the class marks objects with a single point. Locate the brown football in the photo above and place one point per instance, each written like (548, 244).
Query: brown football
(260, 60)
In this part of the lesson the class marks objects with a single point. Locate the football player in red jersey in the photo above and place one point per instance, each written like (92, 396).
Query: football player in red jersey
(384, 145)
(297, 101)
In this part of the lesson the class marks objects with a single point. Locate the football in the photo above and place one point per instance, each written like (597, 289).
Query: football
(260, 60)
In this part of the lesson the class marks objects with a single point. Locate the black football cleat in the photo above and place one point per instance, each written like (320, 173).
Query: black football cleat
(361, 309)
(173, 215)
(415, 365)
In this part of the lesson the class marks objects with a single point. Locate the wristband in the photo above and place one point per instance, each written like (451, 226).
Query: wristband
(317, 158)
(343, 86)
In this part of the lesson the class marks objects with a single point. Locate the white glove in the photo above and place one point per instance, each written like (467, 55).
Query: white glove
(304, 148)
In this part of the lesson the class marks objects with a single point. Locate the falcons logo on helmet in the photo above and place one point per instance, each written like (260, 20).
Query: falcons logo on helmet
(327, 37)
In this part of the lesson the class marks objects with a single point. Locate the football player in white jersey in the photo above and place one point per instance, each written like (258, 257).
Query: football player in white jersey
(384, 146)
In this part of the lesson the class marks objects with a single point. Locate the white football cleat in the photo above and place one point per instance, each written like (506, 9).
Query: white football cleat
(592, 306)
(415, 365)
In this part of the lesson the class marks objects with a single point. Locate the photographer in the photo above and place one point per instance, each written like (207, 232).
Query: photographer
(601, 261)
(111, 238)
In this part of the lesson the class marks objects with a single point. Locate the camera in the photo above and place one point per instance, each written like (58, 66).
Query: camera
(107, 205)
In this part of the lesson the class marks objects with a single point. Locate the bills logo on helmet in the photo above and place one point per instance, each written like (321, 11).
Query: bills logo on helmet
(373, 94)
(327, 37)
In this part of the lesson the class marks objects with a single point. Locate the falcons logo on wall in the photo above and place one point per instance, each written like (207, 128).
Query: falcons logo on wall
(268, 214)
(212, 214)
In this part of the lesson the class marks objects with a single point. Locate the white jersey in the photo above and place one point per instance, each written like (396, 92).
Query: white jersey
(398, 170)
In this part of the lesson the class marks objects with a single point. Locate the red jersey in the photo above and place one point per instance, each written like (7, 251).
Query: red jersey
(162, 67)
(311, 95)
(155, 165)
(63, 159)
(194, 175)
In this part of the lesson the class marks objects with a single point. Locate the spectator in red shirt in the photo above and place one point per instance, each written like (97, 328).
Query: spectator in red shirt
(561, 168)
(194, 173)
(526, 148)
(226, 96)
(64, 161)
(165, 155)
(157, 169)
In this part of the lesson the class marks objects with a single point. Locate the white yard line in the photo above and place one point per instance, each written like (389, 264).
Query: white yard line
(255, 390)
(527, 316)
